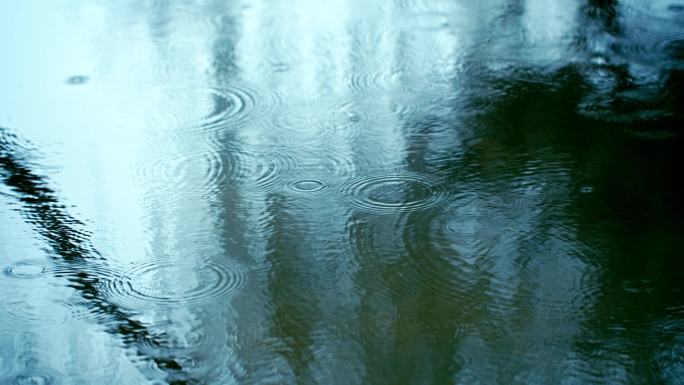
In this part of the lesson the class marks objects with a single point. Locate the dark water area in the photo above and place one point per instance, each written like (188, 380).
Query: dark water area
(341, 192)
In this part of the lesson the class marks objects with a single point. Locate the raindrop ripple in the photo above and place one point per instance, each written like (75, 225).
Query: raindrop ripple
(167, 283)
(307, 185)
(27, 269)
(395, 193)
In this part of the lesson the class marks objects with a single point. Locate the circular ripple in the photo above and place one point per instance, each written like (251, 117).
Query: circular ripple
(212, 106)
(182, 107)
(448, 252)
(361, 82)
(343, 122)
(334, 162)
(199, 108)
(27, 269)
(395, 193)
(206, 172)
(270, 169)
(196, 171)
(298, 126)
(87, 302)
(82, 310)
(172, 283)
(307, 185)
(403, 110)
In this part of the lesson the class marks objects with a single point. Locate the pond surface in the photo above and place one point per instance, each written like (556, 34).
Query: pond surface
(341, 192)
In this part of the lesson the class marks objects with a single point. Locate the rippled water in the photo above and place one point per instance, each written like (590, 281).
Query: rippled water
(341, 192)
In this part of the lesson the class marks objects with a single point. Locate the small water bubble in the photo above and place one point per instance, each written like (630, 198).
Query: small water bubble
(586, 189)
(77, 79)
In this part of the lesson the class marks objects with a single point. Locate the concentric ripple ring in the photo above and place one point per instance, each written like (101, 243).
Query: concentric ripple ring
(395, 193)
(307, 185)
(172, 283)
(27, 269)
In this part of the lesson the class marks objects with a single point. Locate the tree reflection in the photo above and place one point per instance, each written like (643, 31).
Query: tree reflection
(73, 251)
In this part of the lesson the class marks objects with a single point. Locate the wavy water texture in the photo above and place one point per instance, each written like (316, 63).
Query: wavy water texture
(341, 192)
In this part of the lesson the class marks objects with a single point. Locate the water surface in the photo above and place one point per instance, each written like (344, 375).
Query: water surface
(341, 192)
